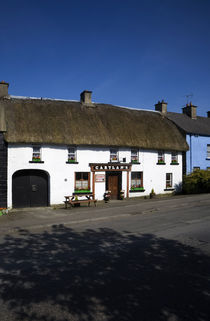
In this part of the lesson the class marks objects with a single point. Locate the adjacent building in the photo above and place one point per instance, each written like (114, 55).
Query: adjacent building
(197, 132)
(52, 148)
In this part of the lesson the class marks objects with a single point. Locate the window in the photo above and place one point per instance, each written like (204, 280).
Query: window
(174, 158)
(82, 182)
(137, 181)
(161, 157)
(113, 155)
(134, 156)
(72, 155)
(169, 180)
(208, 151)
(36, 156)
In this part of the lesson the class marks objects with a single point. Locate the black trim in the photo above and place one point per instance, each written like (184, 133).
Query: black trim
(34, 162)
(72, 162)
(135, 163)
(169, 189)
(3, 171)
(139, 191)
(160, 163)
(208, 159)
(174, 163)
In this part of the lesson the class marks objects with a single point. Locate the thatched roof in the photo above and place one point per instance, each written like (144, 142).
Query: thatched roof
(73, 123)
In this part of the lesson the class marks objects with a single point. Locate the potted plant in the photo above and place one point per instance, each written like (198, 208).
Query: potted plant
(122, 194)
(152, 194)
(107, 196)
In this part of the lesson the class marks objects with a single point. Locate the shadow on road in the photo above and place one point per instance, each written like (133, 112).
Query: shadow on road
(101, 275)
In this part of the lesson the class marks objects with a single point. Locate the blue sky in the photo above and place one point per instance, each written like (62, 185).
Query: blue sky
(128, 52)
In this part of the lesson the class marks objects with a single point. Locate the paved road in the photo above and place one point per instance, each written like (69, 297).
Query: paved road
(135, 260)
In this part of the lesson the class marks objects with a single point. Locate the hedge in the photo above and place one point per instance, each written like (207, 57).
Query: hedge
(197, 182)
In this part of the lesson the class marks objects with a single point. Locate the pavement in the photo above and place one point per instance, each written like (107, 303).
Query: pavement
(30, 218)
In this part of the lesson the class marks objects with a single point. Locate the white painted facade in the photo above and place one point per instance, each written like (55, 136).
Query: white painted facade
(62, 175)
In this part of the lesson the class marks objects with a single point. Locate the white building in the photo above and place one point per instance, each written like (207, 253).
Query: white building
(51, 148)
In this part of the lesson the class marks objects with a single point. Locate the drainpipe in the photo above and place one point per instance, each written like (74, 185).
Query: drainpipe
(190, 153)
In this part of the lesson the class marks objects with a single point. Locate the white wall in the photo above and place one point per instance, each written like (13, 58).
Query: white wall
(61, 175)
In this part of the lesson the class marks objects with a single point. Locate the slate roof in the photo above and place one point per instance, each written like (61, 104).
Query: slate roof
(199, 126)
(48, 121)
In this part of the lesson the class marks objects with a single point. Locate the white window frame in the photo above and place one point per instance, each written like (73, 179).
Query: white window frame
(174, 157)
(134, 156)
(208, 151)
(114, 155)
(36, 154)
(161, 157)
(169, 181)
(72, 155)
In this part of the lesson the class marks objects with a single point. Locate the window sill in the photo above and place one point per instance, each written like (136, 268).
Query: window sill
(160, 163)
(136, 190)
(174, 163)
(135, 163)
(35, 162)
(82, 193)
(169, 189)
(72, 162)
(208, 158)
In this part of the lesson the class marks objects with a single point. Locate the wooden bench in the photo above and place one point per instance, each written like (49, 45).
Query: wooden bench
(74, 199)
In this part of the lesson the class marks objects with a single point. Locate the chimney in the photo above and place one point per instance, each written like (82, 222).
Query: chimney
(190, 110)
(3, 89)
(208, 114)
(161, 106)
(85, 97)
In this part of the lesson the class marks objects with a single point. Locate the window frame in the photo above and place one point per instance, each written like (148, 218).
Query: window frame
(134, 156)
(170, 180)
(135, 186)
(36, 155)
(208, 152)
(114, 154)
(72, 155)
(174, 158)
(81, 190)
(161, 158)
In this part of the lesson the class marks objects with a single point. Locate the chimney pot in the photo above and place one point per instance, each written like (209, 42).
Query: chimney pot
(3, 88)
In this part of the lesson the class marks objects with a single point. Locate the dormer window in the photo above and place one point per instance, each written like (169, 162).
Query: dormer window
(113, 155)
(161, 158)
(134, 156)
(36, 156)
(72, 155)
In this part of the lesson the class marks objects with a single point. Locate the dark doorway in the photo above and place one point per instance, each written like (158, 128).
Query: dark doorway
(30, 188)
(114, 183)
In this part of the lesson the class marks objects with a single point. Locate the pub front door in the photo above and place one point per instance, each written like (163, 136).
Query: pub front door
(114, 183)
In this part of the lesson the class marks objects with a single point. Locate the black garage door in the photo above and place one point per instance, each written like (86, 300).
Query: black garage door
(30, 188)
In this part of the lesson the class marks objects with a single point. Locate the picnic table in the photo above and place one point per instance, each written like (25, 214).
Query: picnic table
(80, 198)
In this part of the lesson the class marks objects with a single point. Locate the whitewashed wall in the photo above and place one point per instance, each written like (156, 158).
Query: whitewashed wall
(61, 175)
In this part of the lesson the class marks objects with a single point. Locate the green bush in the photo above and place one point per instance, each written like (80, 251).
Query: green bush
(197, 182)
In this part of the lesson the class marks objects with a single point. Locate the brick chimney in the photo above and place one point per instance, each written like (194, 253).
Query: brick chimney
(161, 106)
(85, 97)
(208, 114)
(3, 89)
(190, 110)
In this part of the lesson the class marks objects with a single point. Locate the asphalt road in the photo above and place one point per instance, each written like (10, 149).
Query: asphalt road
(134, 260)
